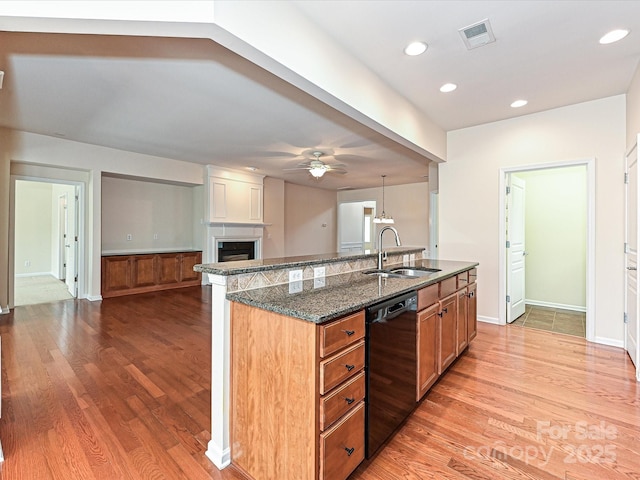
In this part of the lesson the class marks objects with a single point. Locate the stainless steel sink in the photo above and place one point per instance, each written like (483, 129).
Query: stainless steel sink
(414, 272)
(403, 272)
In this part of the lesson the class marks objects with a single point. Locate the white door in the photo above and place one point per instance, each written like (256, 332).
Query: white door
(631, 259)
(515, 248)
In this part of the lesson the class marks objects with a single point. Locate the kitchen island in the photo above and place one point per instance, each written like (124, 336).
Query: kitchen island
(290, 342)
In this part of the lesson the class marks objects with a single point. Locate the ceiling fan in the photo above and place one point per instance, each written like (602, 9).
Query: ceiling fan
(317, 168)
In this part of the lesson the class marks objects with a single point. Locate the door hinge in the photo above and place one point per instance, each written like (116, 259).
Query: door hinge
(508, 299)
(626, 178)
(508, 244)
(626, 318)
(76, 238)
(75, 279)
(626, 247)
(508, 190)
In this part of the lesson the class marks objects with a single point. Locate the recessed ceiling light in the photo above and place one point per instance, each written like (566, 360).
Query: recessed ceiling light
(519, 103)
(448, 87)
(613, 36)
(415, 48)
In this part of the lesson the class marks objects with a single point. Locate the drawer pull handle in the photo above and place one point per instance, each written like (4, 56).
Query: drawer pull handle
(349, 450)
(350, 367)
(440, 314)
(349, 332)
(445, 310)
(464, 280)
(349, 400)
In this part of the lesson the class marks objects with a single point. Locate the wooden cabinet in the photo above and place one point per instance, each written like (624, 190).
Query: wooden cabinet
(297, 395)
(447, 331)
(130, 274)
(427, 345)
(462, 338)
(472, 312)
(446, 324)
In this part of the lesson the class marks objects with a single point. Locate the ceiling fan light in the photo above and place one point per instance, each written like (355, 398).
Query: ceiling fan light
(317, 172)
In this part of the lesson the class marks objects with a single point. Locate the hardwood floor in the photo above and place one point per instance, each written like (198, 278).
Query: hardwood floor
(120, 389)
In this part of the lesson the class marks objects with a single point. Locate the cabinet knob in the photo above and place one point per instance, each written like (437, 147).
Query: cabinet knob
(350, 367)
(349, 400)
(471, 294)
(349, 450)
(349, 332)
(445, 310)
(440, 314)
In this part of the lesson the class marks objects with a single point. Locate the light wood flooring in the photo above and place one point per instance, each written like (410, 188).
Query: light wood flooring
(120, 389)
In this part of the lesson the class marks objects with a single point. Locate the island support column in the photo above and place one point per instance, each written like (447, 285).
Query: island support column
(218, 450)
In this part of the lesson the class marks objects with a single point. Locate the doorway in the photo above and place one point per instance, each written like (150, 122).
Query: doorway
(355, 226)
(546, 275)
(46, 249)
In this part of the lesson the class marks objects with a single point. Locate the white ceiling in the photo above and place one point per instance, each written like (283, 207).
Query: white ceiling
(194, 100)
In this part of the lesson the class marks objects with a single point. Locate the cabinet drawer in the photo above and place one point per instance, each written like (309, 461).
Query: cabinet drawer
(463, 279)
(427, 296)
(448, 286)
(338, 402)
(342, 447)
(337, 335)
(473, 275)
(335, 370)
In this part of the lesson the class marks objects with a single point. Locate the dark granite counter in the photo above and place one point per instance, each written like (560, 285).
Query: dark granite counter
(342, 294)
(250, 266)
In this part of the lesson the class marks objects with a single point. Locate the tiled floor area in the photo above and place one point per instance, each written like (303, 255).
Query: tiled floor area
(568, 322)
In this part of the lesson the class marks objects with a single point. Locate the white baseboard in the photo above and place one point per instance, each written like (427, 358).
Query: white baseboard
(94, 298)
(220, 458)
(539, 303)
(35, 274)
(612, 342)
(493, 320)
(4, 310)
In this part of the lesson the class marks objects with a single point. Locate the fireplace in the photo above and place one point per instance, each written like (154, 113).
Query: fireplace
(233, 251)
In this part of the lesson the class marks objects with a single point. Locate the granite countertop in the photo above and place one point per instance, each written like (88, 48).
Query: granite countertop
(343, 294)
(261, 265)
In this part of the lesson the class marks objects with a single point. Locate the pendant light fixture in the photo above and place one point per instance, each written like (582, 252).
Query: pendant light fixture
(383, 217)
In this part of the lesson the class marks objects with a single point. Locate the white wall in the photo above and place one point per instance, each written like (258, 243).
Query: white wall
(273, 242)
(633, 110)
(470, 195)
(34, 228)
(407, 204)
(143, 209)
(556, 236)
(90, 161)
(310, 220)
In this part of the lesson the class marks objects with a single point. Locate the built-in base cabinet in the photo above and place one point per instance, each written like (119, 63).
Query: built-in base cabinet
(129, 274)
(446, 323)
(297, 395)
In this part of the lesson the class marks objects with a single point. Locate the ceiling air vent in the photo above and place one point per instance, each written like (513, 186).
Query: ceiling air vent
(477, 34)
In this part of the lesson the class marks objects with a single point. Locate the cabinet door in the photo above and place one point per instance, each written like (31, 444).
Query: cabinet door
(447, 319)
(472, 312)
(168, 265)
(143, 270)
(188, 260)
(427, 345)
(462, 339)
(116, 274)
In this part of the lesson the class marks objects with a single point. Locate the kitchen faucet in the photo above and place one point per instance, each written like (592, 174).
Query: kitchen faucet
(382, 255)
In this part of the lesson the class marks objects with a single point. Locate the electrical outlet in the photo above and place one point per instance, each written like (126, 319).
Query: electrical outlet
(295, 287)
(27, 263)
(405, 259)
(295, 276)
(319, 282)
(155, 236)
(129, 237)
(318, 272)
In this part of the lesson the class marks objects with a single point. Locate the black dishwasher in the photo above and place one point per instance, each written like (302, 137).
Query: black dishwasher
(391, 367)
